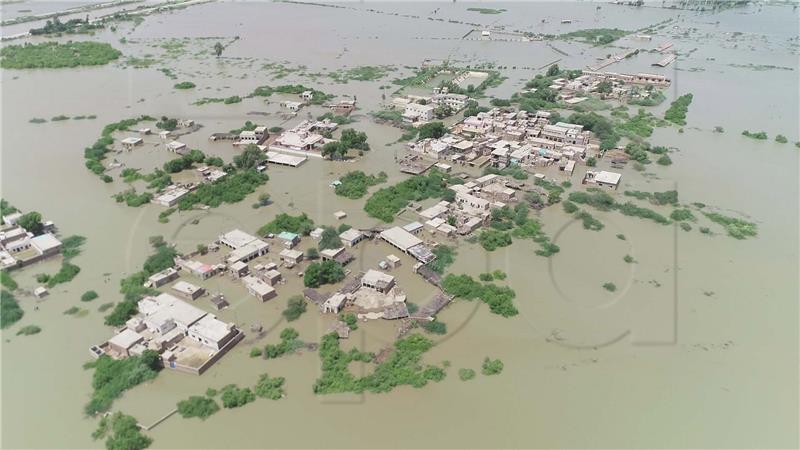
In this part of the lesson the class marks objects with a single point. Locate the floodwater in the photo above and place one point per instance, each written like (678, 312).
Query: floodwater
(697, 348)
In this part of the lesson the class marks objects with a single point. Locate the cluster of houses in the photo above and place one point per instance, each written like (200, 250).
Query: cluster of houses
(610, 84)
(187, 338)
(130, 142)
(420, 109)
(501, 138)
(172, 194)
(20, 247)
(306, 137)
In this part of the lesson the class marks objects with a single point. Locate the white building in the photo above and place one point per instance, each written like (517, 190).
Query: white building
(414, 112)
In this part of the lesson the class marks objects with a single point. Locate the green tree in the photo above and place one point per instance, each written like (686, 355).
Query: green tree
(326, 272)
(433, 130)
(32, 222)
(553, 71)
(218, 48)
(251, 157)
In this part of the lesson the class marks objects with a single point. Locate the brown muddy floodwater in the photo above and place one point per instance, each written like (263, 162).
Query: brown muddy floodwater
(658, 363)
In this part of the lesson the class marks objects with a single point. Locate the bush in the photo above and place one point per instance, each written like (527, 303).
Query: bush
(491, 366)
(492, 239)
(295, 307)
(781, 139)
(760, 135)
(289, 344)
(466, 374)
(434, 327)
(256, 352)
(610, 287)
(271, 388)
(664, 160)
(89, 296)
(185, 85)
(10, 312)
(197, 406)
(234, 397)
(29, 330)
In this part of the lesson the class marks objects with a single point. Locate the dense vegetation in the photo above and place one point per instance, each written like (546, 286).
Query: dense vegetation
(184, 85)
(318, 97)
(445, 256)
(7, 282)
(124, 433)
(72, 26)
(112, 377)
(354, 184)
(301, 225)
(402, 367)
(233, 188)
(10, 312)
(736, 228)
(53, 55)
(599, 36)
(132, 287)
(499, 298)
(97, 152)
(388, 201)
(678, 109)
(326, 272)
(329, 239)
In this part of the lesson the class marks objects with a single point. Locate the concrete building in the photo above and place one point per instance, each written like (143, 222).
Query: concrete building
(177, 147)
(290, 256)
(259, 288)
(414, 112)
(378, 281)
(188, 290)
(603, 178)
(352, 237)
(161, 278)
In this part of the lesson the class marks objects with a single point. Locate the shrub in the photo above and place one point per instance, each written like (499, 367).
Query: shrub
(491, 366)
(295, 307)
(271, 388)
(197, 406)
(234, 397)
(610, 287)
(29, 330)
(466, 374)
(89, 296)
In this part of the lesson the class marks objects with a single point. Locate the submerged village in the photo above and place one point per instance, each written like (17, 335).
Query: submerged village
(467, 174)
